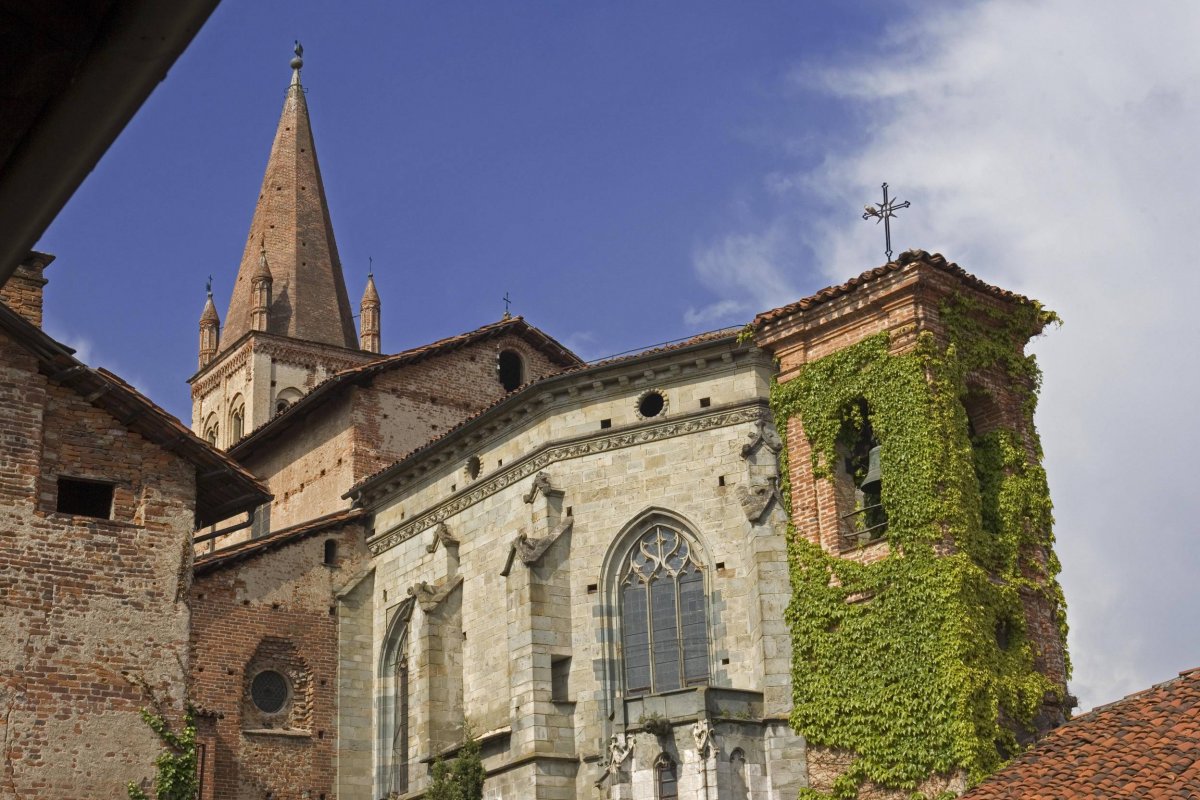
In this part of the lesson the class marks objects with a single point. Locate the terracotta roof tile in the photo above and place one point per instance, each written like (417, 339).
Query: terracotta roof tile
(1145, 746)
(252, 547)
(935, 260)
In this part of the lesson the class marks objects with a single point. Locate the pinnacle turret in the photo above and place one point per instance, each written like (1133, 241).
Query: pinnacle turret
(369, 337)
(210, 329)
(291, 229)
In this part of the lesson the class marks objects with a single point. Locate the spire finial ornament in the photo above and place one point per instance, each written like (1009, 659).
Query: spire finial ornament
(297, 62)
(507, 301)
(883, 212)
(370, 267)
(208, 286)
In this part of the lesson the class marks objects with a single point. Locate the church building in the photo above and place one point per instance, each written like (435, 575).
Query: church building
(594, 569)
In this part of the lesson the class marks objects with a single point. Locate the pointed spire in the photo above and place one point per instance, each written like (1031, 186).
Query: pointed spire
(291, 228)
(210, 329)
(369, 316)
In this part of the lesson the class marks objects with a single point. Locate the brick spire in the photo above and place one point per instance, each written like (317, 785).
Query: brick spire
(291, 228)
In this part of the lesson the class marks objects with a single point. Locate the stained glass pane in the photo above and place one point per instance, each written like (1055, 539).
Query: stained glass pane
(665, 628)
(693, 617)
(635, 639)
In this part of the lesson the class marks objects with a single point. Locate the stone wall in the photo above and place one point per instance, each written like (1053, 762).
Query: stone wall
(566, 476)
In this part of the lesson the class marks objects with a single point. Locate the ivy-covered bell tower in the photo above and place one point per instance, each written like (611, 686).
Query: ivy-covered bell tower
(927, 621)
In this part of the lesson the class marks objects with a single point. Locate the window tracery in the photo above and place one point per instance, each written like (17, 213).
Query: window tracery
(664, 614)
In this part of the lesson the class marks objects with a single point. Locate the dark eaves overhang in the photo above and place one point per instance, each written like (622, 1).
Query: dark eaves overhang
(223, 487)
(73, 75)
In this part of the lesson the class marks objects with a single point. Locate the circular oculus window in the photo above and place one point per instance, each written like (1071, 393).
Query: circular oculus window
(651, 403)
(269, 691)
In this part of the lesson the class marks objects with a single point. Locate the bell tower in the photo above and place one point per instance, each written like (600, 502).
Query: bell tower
(927, 619)
(289, 324)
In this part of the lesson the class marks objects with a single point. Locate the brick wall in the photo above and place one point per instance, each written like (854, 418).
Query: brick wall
(277, 612)
(23, 291)
(93, 613)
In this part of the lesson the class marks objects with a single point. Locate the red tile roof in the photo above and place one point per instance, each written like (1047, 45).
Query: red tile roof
(252, 547)
(327, 389)
(1146, 746)
(935, 260)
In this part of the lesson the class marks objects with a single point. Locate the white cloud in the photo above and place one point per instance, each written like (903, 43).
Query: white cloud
(1048, 148)
(722, 311)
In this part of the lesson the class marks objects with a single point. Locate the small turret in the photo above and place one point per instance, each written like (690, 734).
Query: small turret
(260, 287)
(210, 329)
(369, 317)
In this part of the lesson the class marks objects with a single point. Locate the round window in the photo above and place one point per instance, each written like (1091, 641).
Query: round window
(269, 691)
(651, 404)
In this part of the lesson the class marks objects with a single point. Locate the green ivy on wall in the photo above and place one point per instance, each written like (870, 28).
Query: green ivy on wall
(910, 661)
(176, 777)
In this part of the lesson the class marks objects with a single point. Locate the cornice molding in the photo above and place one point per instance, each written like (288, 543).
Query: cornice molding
(552, 452)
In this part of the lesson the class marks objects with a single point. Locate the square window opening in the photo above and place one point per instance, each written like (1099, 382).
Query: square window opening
(85, 498)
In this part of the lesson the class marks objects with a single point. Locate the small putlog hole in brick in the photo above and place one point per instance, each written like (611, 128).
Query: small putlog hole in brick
(85, 498)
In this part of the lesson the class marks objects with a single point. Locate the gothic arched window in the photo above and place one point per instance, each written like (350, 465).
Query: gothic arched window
(393, 761)
(664, 614)
(667, 778)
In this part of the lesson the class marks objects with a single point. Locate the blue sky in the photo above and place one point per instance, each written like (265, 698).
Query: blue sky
(632, 173)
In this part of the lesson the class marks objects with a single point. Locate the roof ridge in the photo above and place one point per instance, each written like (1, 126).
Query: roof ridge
(913, 256)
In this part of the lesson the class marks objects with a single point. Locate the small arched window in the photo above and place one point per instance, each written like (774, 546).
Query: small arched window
(664, 614)
(858, 479)
(510, 369)
(237, 423)
(212, 430)
(331, 552)
(737, 774)
(285, 399)
(667, 777)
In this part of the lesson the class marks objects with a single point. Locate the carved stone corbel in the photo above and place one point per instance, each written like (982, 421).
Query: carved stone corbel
(530, 550)
(541, 482)
(442, 535)
(705, 737)
(430, 596)
(763, 434)
(757, 499)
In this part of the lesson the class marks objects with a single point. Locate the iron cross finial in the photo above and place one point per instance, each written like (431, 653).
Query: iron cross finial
(507, 301)
(883, 212)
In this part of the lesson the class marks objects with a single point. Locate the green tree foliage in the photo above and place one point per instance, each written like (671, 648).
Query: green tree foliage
(176, 776)
(900, 661)
(461, 778)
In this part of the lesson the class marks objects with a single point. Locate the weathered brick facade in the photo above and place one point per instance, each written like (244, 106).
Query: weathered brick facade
(93, 599)
(271, 604)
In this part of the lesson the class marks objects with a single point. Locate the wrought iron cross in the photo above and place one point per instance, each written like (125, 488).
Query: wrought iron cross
(883, 212)
(506, 302)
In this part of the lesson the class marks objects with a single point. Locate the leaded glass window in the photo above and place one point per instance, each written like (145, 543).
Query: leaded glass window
(664, 622)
